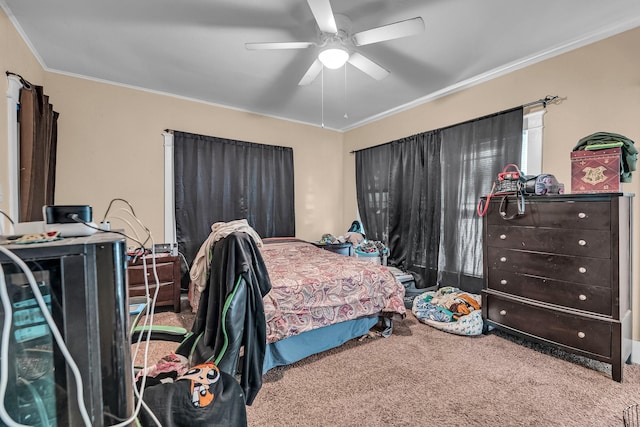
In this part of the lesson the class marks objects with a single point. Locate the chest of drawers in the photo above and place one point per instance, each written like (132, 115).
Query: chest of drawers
(561, 273)
(168, 272)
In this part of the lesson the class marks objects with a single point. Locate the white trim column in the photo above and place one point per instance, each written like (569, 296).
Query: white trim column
(13, 154)
(533, 123)
(169, 200)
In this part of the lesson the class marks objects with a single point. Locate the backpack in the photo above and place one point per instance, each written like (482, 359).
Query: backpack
(542, 184)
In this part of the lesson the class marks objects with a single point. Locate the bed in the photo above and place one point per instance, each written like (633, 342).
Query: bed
(319, 299)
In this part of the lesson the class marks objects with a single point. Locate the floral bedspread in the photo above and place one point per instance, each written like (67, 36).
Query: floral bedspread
(312, 288)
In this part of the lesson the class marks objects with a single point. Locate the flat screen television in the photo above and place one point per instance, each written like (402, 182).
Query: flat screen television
(82, 281)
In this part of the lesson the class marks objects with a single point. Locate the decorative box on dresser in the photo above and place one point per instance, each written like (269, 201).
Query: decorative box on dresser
(168, 271)
(561, 273)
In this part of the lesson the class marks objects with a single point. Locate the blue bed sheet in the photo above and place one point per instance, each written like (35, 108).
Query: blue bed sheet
(298, 347)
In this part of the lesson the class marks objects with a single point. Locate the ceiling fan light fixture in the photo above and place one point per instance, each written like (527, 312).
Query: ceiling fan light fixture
(333, 57)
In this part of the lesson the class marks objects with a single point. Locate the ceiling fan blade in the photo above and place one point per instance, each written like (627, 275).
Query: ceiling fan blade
(311, 73)
(323, 14)
(367, 66)
(389, 32)
(277, 45)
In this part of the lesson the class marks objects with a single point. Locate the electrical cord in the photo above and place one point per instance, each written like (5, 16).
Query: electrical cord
(148, 318)
(8, 217)
(76, 218)
(126, 221)
(131, 212)
(184, 259)
(150, 412)
(150, 307)
(149, 311)
(111, 203)
(6, 334)
(144, 227)
(42, 412)
(1, 222)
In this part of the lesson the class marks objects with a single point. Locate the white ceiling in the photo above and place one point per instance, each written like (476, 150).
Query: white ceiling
(195, 48)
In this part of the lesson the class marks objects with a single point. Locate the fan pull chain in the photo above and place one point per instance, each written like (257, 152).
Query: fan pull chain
(346, 116)
(322, 95)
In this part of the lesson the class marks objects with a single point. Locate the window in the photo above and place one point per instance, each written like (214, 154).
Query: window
(532, 126)
(433, 228)
(13, 159)
(32, 147)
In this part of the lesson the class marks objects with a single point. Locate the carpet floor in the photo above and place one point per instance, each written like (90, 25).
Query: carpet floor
(424, 377)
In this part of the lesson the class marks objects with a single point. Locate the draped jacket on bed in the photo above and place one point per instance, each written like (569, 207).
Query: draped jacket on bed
(237, 255)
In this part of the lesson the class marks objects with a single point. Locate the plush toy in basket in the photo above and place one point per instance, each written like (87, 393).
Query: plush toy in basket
(450, 309)
(372, 250)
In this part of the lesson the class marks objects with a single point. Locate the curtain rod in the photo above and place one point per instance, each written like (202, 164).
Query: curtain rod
(24, 82)
(544, 101)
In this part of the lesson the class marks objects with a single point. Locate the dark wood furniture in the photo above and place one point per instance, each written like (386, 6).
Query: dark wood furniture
(561, 273)
(339, 248)
(168, 271)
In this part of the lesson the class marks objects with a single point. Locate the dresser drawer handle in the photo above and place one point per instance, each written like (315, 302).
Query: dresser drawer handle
(503, 259)
(582, 242)
(503, 312)
(582, 215)
(503, 282)
(503, 236)
(581, 334)
(582, 297)
(582, 270)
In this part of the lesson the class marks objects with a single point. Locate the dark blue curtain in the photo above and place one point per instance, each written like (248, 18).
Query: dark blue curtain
(399, 201)
(219, 179)
(38, 148)
(418, 195)
(472, 155)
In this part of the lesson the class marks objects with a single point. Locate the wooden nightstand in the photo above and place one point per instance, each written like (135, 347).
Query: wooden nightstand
(338, 248)
(168, 270)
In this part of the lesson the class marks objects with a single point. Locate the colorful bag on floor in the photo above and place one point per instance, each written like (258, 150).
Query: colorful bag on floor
(450, 318)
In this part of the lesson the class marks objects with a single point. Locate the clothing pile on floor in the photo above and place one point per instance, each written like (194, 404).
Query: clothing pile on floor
(451, 310)
(372, 247)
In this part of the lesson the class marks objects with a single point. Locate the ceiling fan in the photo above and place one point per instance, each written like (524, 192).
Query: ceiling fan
(337, 44)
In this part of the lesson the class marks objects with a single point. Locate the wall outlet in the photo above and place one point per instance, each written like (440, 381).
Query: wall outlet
(170, 248)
